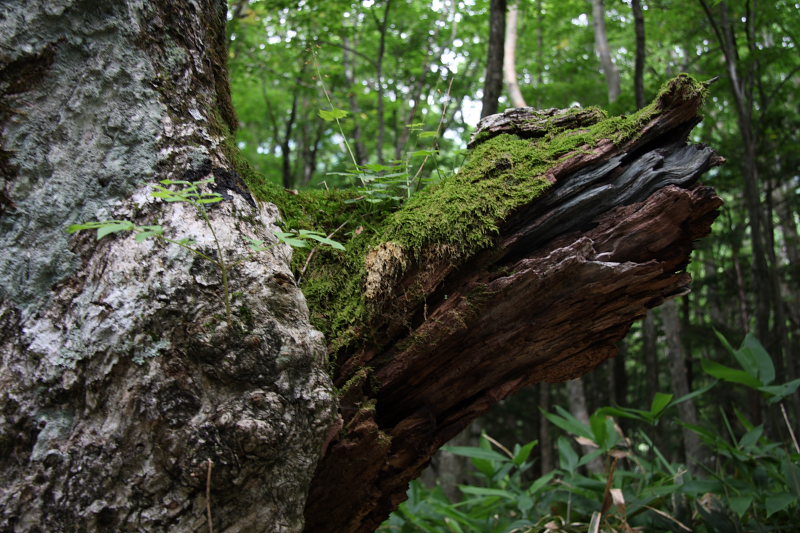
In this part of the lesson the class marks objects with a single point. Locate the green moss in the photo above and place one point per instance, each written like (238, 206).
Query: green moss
(354, 382)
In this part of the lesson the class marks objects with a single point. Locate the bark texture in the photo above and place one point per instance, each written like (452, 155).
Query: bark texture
(562, 281)
(604, 50)
(493, 82)
(119, 379)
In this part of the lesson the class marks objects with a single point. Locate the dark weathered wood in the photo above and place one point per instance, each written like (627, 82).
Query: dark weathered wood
(567, 276)
(528, 122)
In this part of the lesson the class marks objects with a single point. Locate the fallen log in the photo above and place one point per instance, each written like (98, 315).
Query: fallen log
(562, 229)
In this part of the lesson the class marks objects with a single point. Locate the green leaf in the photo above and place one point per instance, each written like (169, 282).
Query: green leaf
(566, 421)
(625, 412)
(474, 452)
(751, 437)
(524, 452)
(294, 243)
(791, 472)
(568, 457)
(325, 240)
(694, 394)
(332, 114)
(486, 491)
(779, 392)
(730, 374)
(740, 504)
(115, 227)
(210, 199)
(599, 429)
(660, 402)
(778, 502)
(375, 167)
(144, 235)
(524, 502)
(537, 485)
(755, 359)
(428, 134)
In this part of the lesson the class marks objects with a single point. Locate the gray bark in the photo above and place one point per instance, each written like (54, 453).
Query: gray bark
(119, 380)
(510, 57)
(604, 50)
(680, 384)
(576, 397)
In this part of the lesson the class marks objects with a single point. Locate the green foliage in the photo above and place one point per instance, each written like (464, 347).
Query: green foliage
(193, 193)
(751, 483)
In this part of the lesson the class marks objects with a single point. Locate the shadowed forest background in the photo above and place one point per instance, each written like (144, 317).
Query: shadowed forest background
(383, 97)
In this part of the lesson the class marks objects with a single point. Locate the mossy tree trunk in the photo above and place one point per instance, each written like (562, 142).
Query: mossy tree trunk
(121, 383)
(561, 229)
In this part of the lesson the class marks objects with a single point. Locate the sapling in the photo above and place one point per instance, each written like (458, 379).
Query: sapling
(190, 193)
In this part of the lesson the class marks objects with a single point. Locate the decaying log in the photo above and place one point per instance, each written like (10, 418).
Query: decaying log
(562, 283)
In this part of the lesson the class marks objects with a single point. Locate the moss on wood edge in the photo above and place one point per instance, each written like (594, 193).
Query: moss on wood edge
(449, 222)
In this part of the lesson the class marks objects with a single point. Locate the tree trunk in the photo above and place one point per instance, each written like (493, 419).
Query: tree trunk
(445, 320)
(641, 53)
(742, 95)
(493, 82)
(650, 347)
(510, 57)
(125, 397)
(348, 62)
(545, 437)
(604, 50)
(680, 384)
(576, 398)
(383, 26)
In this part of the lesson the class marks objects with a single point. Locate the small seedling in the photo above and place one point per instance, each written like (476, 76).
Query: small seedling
(190, 192)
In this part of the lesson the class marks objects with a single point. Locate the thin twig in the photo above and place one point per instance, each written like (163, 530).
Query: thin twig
(310, 255)
(496, 443)
(788, 425)
(208, 495)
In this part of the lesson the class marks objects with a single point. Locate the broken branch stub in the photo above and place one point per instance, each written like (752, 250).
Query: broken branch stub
(564, 278)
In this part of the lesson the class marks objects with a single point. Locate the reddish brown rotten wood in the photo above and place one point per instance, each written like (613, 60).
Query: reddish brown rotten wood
(548, 302)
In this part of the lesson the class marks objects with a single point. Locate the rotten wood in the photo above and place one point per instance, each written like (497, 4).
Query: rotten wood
(566, 278)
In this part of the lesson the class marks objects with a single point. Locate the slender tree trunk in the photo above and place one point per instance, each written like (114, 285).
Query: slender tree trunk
(576, 397)
(618, 390)
(493, 82)
(349, 74)
(545, 436)
(742, 95)
(650, 356)
(126, 399)
(680, 383)
(604, 50)
(510, 56)
(539, 51)
(383, 26)
(286, 146)
(641, 53)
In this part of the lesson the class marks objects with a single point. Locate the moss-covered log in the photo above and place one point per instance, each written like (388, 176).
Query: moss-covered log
(562, 228)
